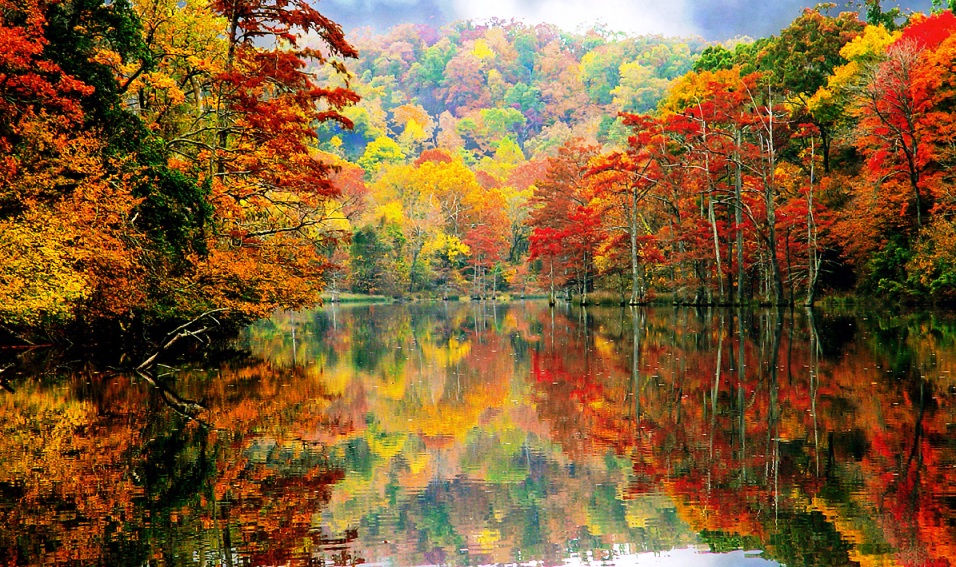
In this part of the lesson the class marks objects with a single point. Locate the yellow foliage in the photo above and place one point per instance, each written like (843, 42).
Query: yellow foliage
(391, 212)
(188, 38)
(482, 50)
(73, 245)
(692, 88)
(37, 278)
(869, 45)
(447, 245)
(413, 137)
(863, 49)
(107, 57)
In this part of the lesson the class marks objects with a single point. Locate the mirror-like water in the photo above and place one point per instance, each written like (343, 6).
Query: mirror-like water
(473, 434)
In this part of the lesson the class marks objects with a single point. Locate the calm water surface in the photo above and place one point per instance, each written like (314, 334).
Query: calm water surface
(476, 434)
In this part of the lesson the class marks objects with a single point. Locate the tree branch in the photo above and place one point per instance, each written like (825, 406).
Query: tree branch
(180, 332)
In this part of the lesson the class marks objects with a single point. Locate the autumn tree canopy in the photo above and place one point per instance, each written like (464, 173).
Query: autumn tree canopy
(160, 159)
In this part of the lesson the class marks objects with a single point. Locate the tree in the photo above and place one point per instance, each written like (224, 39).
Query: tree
(485, 236)
(803, 58)
(79, 140)
(518, 191)
(709, 114)
(714, 58)
(894, 109)
(271, 195)
(369, 272)
(561, 218)
(381, 152)
(639, 90)
(625, 180)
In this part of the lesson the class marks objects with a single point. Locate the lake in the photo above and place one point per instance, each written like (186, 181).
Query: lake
(481, 433)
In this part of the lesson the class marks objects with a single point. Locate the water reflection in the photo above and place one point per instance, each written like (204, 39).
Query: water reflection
(467, 434)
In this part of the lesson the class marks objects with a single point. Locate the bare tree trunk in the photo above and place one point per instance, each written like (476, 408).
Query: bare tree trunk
(769, 197)
(713, 226)
(739, 219)
(584, 287)
(813, 267)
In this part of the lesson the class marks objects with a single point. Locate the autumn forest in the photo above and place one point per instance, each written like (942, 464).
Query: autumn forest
(360, 214)
(167, 158)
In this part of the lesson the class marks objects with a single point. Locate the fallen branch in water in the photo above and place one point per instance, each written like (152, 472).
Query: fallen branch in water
(181, 332)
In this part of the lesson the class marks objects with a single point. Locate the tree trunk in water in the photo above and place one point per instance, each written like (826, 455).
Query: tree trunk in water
(636, 363)
(551, 298)
(584, 287)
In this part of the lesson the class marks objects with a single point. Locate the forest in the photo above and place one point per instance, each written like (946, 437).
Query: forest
(162, 159)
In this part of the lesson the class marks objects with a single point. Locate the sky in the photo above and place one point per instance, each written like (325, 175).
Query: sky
(713, 20)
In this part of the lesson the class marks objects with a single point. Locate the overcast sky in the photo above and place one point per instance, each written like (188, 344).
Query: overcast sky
(710, 19)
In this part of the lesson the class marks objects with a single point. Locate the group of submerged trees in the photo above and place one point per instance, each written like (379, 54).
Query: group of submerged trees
(162, 159)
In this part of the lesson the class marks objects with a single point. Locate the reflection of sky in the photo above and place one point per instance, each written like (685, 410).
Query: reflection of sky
(689, 557)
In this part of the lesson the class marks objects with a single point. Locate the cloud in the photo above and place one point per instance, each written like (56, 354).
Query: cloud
(724, 19)
(669, 17)
(383, 14)
(712, 19)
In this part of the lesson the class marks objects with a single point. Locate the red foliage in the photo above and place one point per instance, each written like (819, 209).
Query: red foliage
(928, 32)
(433, 155)
(31, 84)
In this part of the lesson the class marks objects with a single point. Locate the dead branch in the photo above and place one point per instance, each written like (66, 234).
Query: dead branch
(180, 332)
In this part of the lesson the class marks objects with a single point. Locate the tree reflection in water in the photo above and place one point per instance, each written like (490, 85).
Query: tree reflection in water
(479, 433)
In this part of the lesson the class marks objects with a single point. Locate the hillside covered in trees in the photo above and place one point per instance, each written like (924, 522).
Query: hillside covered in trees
(162, 159)
(498, 156)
